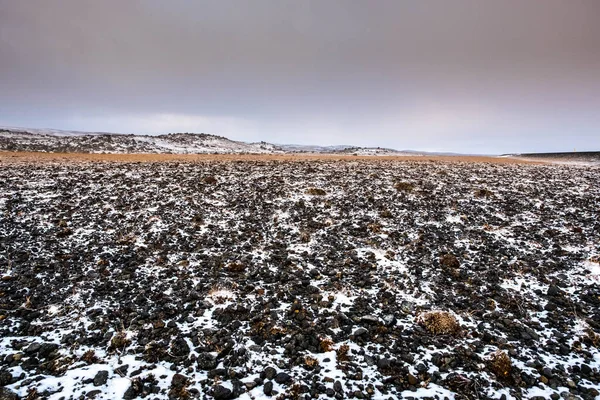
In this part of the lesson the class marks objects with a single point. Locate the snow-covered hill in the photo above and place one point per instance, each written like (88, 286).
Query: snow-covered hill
(46, 140)
(55, 141)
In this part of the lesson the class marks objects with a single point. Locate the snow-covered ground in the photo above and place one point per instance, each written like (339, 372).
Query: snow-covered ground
(243, 280)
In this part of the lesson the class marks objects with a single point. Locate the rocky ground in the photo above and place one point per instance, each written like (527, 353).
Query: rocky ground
(320, 279)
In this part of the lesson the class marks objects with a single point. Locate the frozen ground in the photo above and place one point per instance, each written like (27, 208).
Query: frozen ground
(243, 279)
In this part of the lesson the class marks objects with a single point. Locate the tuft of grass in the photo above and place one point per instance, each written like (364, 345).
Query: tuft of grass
(449, 261)
(386, 214)
(310, 362)
(591, 337)
(374, 227)
(90, 357)
(326, 345)
(500, 364)
(119, 341)
(316, 192)
(342, 353)
(483, 193)
(210, 180)
(439, 322)
(304, 237)
(404, 186)
(236, 267)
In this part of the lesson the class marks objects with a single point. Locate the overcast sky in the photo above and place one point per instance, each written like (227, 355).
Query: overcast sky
(477, 76)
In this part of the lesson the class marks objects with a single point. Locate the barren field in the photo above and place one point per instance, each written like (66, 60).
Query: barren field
(32, 157)
(127, 276)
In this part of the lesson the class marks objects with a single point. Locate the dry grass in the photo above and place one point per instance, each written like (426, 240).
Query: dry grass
(449, 261)
(326, 345)
(236, 267)
(90, 357)
(304, 236)
(591, 337)
(342, 353)
(310, 362)
(439, 322)
(404, 186)
(386, 214)
(500, 364)
(34, 157)
(119, 341)
(210, 180)
(483, 193)
(316, 192)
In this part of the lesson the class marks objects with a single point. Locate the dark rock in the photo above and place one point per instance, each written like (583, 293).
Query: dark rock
(337, 386)
(269, 373)
(122, 369)
(180, 348)
(283, 378)
(586, 369)
(33, 348)
(101, 378)
(46, 349)
(222, 393)
(553, 291)
(6, 394)
(360, 331)
(5, 378)
(206, 361)
(412, 380)
(268, 388)
(179, 381)
(93, 393)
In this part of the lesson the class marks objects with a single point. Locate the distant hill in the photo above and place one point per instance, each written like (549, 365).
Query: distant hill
(582, 157)
(58, 141)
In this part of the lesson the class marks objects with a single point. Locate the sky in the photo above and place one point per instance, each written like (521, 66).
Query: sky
(469, 76)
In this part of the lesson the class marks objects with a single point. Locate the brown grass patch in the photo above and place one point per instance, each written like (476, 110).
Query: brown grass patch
(326, 345)
(500, 364)
(483, 193)
(316, 192)
(439, 322)
(404, 186)
(210, 180)
(35, 157)
(342, 353)
(119, 341)
(449, 261)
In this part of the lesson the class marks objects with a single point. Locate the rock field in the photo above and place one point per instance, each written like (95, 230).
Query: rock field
(306, 279)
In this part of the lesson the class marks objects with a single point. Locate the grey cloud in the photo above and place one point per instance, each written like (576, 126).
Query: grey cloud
(340, 64)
